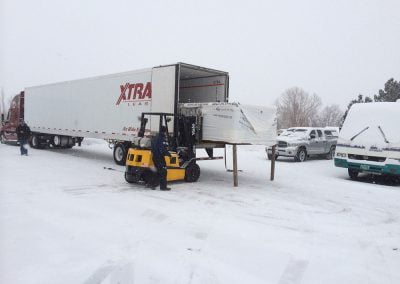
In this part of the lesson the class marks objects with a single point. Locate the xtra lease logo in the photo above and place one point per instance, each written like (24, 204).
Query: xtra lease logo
(134, 92)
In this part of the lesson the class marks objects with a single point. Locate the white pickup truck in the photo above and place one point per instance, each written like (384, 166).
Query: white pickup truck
(302, 142)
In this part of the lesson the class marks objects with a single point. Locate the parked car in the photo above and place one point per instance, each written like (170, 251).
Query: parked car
(302, 142)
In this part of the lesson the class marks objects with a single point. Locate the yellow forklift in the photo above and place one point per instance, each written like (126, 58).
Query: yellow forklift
(181, 142)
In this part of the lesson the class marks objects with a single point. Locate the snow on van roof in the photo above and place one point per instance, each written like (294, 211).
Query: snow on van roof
(372, 124)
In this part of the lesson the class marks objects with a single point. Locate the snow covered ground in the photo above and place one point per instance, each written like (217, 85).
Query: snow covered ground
(64, 218)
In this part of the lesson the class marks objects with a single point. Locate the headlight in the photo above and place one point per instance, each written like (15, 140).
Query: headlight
(343, 155)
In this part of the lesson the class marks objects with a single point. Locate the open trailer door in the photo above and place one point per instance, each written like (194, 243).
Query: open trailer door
(163, 93)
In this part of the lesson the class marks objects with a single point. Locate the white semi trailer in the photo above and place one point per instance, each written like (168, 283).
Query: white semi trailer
(109, 107)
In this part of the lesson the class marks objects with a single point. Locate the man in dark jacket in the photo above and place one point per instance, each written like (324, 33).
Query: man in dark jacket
(159, 151)
(23, 134)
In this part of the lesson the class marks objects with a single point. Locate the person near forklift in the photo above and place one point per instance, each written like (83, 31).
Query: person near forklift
(159, 151)
(23, 134)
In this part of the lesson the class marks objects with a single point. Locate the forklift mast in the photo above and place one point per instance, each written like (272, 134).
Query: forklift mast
(184, 134)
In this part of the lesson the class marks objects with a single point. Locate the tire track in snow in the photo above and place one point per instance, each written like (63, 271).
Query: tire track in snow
(294, 271)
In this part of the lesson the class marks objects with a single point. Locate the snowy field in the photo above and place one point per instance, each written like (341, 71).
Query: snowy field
(64, 218)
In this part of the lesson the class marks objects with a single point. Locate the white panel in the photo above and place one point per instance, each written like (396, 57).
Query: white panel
(101, 107)
(235, 124)
(163, 79)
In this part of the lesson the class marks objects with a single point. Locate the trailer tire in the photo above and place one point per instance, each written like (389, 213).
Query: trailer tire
(120, 151)
(35, 142)
(2, 138)
(56, 141)
(192, 172)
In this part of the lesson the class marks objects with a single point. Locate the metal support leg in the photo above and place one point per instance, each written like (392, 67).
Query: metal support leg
(235, 168)
(273, 162)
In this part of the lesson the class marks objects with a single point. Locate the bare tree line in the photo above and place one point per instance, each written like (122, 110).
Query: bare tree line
(297, 108)
(5, 103)
(3, 109)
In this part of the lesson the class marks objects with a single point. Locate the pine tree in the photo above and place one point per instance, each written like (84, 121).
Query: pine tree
(360, 99)
(390, 93)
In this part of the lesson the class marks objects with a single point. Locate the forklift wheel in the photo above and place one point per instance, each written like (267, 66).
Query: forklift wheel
(151, 178)
(130, 178)
(192, 172)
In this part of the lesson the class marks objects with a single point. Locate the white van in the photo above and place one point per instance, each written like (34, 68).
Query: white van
(369, 140)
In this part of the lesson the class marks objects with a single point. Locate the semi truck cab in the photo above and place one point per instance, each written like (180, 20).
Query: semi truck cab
(10, 123)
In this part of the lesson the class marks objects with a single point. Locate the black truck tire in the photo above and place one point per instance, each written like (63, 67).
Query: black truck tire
(301, 155)
(35, 142)
(353, 174)
(331, 153)
(56, 141)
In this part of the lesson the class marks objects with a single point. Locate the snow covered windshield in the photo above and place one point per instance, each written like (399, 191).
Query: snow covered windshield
(372, 124)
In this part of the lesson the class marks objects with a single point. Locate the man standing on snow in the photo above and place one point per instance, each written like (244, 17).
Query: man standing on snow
(159, 151)
(23, 134)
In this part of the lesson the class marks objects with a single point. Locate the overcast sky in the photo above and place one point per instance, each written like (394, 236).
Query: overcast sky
(336, 49)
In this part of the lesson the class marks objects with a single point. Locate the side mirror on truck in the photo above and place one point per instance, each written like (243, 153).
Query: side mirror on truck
(312, 136)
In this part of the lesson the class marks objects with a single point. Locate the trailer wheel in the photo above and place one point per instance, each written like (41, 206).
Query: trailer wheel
(192, 172)
(2, 138)
(120, 152)
(353, 174)
(56, 141)
(35, 142)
